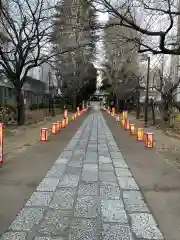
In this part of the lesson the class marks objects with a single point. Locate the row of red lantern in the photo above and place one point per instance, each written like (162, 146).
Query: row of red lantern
(56, 126)
(147, 137)
(113, 112)
(44, 132)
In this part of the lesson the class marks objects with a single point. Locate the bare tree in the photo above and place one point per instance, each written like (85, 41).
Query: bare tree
(28, 27)
(156, 21)
(168, 91)
(121, 60)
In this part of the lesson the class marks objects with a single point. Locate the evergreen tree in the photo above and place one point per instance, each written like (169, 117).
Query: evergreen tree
(72, 30)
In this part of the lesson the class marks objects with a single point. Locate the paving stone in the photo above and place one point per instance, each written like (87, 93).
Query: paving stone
(127, 183)
(27, 219)
(91, 155)
(88, 189)
(104, 153)
(46, 238)
(113, 211)
(113, 149)
(115, 154)
(55, 222)
(102, 142)
(116, 232)
(40, 199)
(75, 163)
(85, 207)
(144, 226)
(120, 163)
(92, 148)
(90, 167)
(106, 167)
(90, 160)
(79, 152)
(109, 190)
(69, 180)
(70, 147)
(56, 171)
(120, 172)
(48, 185)
(107, 177)
(89, 176)
(104, 150)
(63, 198)
(103, 159)
(62, 161)
(82, 229)
(66, 154)
(83, 141)
(134, 202)
(74, 170)
(14, 236)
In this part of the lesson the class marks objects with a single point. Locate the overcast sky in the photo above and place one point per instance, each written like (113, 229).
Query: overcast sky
(102, 17)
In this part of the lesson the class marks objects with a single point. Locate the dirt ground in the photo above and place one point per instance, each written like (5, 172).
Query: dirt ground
(20, 139)
(20, 174)
(156, 173)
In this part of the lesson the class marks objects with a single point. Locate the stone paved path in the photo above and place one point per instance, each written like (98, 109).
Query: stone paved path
(88, 194)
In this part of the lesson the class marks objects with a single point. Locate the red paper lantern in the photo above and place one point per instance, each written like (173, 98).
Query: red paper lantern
(140, 134)
(113, 112)
(54, 128)
(132, 129)
(58, 125)
(123, 122)
(127, 124)
(65, 113)
(149, 140)
(44, 134)
(124, 115)
(63, 124)
(117, 118)
(67, 121)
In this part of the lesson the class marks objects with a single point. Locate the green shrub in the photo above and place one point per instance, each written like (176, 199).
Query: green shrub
(38, 106)
(33, 106)
(41, 106)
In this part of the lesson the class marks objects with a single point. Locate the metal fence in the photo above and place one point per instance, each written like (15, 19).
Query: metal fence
(8, 97)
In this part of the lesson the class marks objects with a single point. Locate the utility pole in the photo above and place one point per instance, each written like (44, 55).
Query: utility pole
(147, 94)
(49, 86)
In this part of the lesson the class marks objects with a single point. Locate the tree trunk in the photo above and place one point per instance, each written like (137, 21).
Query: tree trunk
(53, 110)
(138, 110)
(49, 104)
(74, 104)
(165, 113)
(20, 106)
(153, 112)
(116, 104)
